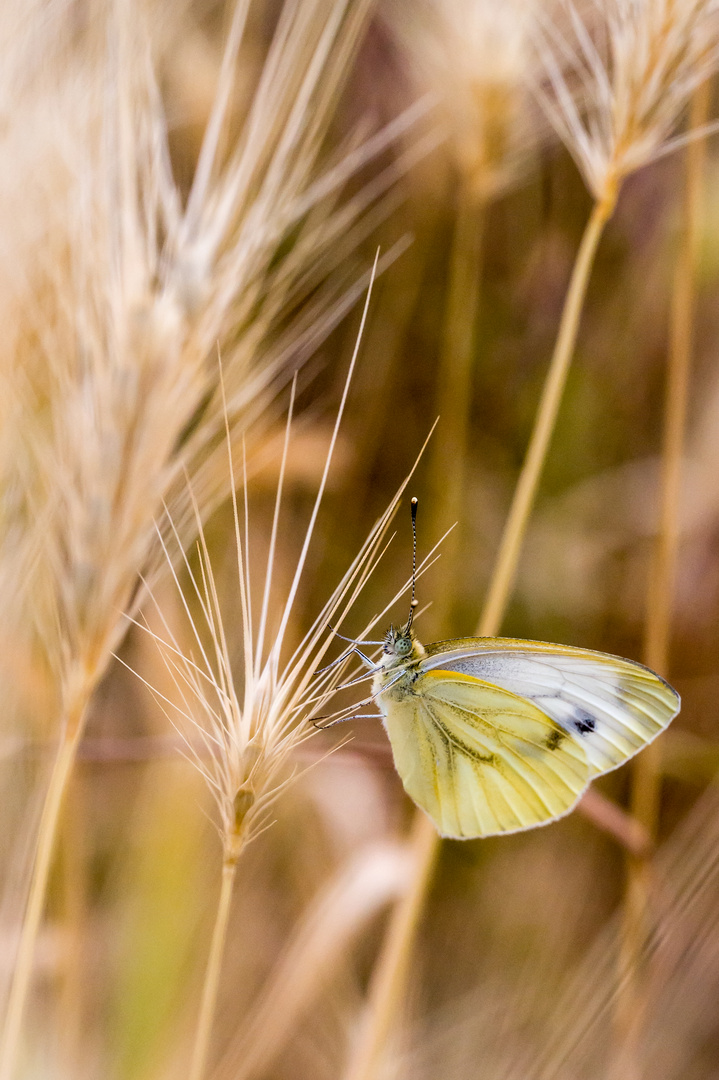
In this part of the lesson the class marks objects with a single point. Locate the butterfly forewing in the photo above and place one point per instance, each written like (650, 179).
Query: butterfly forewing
(613, 707)
(480, 759)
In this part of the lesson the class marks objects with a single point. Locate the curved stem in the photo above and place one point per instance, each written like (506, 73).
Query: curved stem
(454, 388)
(212, 973)
(36, 897)
(555, 382)
(387, 988)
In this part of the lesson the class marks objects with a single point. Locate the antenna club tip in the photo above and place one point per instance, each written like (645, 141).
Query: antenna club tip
(414, 604)
(414, 500)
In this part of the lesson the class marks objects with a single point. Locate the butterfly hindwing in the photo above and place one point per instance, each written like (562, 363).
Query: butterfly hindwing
(614, 707)
(480, 759)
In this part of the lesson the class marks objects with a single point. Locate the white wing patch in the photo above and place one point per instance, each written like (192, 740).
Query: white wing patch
(613, 707)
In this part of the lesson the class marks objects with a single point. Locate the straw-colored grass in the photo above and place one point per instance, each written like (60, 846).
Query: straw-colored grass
(639, 912)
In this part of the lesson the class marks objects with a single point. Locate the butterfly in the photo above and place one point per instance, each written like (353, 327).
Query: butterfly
(498, 735)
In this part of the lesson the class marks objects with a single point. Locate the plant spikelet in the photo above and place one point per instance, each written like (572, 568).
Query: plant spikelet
(474, 56)
(242, 728)
(111, 379)
(620, 79)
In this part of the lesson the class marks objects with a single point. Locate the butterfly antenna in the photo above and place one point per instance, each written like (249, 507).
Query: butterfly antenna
(413, 601)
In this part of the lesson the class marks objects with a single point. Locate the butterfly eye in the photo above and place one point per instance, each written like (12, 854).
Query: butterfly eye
(402, 646)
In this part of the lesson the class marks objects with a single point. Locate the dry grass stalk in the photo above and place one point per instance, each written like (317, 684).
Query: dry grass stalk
(454, 389)
(118, 300)
(525, 492)
(248, 738)
(388, 985)
(474, 57)
(374, 877)
(622, 117)
(647, 770)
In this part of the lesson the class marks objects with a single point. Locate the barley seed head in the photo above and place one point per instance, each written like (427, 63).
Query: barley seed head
(120, 288)
(474, 56)
(619, 77)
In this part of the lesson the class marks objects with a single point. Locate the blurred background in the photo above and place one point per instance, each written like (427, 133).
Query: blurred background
(515, 970)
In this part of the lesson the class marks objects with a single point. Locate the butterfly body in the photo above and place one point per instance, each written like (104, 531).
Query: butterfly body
(495, 735)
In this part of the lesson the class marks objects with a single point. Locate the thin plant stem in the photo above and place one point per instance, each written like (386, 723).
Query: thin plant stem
(50, 817)
(681, 341)
(525, 492)
(390, 975)
(74, 862)
(212, 972)
(646, 778)
(454, 383)
(388, 983)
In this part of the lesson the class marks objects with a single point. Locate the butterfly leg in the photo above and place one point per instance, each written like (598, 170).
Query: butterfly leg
(365, 660)
(352, 641)
(353, 716)
(344, 719)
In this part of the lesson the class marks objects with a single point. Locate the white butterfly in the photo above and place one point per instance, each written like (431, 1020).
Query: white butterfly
(495, 735)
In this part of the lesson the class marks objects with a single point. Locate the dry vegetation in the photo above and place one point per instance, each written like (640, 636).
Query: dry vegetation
(202, 462)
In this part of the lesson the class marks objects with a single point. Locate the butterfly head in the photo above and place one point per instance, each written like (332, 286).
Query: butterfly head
(400, 647)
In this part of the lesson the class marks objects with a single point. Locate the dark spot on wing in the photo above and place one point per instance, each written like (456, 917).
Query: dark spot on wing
(554, 739)
(584, 722)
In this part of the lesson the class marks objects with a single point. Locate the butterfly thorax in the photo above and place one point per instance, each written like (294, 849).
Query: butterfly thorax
(401, 655)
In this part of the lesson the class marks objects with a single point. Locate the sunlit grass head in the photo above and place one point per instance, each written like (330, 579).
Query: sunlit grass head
(243, 719)
(620, 76)
(474, 56)
(242, 726)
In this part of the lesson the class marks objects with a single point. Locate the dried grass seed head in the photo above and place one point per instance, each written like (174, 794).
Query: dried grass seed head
(121, 293)
(619, 76)
(243, 722)
(474, 55)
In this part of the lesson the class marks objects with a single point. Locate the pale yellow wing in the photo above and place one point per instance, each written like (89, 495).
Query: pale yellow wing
(614, 707)
(479, 759)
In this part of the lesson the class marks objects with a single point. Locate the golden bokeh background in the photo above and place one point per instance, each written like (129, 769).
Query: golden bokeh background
(517, 963)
